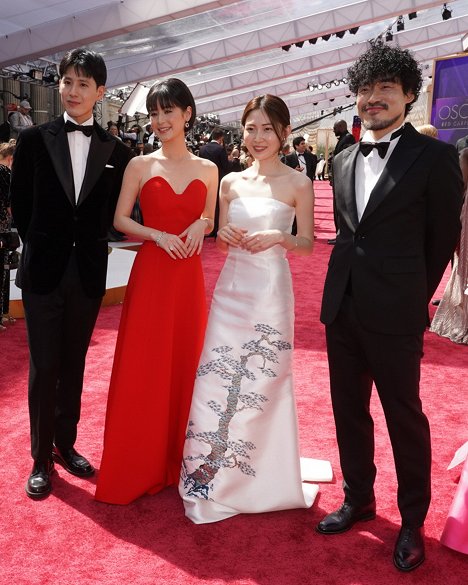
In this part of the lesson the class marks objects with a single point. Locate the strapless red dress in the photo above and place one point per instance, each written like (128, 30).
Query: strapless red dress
(158, 347)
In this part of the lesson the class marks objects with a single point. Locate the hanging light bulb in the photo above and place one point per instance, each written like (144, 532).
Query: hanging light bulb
(446, 12)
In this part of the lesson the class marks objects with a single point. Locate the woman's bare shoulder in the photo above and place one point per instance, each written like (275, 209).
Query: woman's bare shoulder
(204, 163)
(299, 180)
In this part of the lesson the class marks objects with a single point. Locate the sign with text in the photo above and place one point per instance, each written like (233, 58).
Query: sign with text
(449, 112)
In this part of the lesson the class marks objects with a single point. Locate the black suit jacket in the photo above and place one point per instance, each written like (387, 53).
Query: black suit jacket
(396, 255)
(344, 141)
(217, 154)
(49, 221)
(310, 160)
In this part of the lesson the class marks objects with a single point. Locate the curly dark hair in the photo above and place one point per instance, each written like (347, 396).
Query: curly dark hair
(382, 62)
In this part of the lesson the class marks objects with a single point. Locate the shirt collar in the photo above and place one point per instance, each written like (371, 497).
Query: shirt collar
(88, 122)
(386, 138)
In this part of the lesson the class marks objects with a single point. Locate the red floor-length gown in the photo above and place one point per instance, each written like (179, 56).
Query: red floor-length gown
(158, 347)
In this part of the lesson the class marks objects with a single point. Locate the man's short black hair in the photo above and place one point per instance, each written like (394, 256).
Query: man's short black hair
(382, 62)
(86, 63)
(297, 140)
(217, 133)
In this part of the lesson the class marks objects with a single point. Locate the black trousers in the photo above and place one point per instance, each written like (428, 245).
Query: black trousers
(4, 286)
(357, 359)
(214, 231)
(59, 326)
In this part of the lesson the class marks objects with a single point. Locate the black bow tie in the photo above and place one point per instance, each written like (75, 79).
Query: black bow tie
(382, 147)
(71, 127)
(366, 147)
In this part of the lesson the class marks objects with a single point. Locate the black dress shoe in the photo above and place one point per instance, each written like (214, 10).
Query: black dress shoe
(345, 517)
(409, 549)
(72, 461)
(39, 485)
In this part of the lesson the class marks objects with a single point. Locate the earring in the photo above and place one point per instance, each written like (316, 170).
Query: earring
(187, 125)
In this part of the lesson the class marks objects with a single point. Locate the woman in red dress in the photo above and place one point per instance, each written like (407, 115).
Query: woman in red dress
(164, 313)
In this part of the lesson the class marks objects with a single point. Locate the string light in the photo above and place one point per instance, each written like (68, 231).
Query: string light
(446, 12)
(327, 84)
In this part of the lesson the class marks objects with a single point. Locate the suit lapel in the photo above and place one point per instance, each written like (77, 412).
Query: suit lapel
(406, 152)
(348, 167)
(100, 151)
(56, 143)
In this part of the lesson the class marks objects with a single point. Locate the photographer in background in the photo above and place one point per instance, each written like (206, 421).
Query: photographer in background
(9, 240)
(21, 119)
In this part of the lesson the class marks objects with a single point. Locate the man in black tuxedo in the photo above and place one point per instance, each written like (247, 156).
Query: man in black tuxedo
(301, 159)
(345, 140)
(398, 197)
(66, 178)
(216, 152)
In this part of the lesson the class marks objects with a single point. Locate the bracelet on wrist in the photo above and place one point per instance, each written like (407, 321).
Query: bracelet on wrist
(158, 239)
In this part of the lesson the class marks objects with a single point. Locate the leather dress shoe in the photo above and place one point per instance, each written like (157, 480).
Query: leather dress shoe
(345, 517)
(409, 549)
(72, 461)
(39, 485)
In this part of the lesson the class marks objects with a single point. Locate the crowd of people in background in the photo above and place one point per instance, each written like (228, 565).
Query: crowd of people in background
(381, 211)
(7, 245)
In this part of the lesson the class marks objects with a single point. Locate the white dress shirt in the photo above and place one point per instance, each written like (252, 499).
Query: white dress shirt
(79, 145)
(301, 159)
(369, 168)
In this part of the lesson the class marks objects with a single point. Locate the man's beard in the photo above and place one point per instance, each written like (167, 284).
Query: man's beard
(379, 124)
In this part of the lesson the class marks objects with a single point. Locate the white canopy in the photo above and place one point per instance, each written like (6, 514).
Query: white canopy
(228, 51)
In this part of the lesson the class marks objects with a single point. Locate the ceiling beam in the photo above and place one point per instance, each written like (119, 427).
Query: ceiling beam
(232, 112)
(102, 22)
(125, 71)
(312, 64)
(284, 86)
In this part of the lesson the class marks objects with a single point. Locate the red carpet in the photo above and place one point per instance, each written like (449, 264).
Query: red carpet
(69, 539)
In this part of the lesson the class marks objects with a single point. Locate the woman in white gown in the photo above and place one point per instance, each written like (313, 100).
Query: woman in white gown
(241, 452)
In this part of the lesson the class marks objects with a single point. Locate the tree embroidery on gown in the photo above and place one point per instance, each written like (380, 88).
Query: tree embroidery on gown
(225, 452)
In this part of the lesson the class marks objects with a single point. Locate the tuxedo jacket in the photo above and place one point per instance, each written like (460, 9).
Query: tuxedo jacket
(310, 161)
(50, 221)
(217, 154)
(394, 257)
(344, 141)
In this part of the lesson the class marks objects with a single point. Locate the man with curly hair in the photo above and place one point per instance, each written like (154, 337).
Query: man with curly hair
(395, 241)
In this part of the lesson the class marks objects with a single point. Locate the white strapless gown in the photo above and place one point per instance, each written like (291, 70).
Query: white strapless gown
(241, 453)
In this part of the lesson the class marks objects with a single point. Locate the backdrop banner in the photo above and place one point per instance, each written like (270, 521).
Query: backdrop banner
(449, 112)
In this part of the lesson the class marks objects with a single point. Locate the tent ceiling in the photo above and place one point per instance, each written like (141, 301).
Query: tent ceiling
(226, 51)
